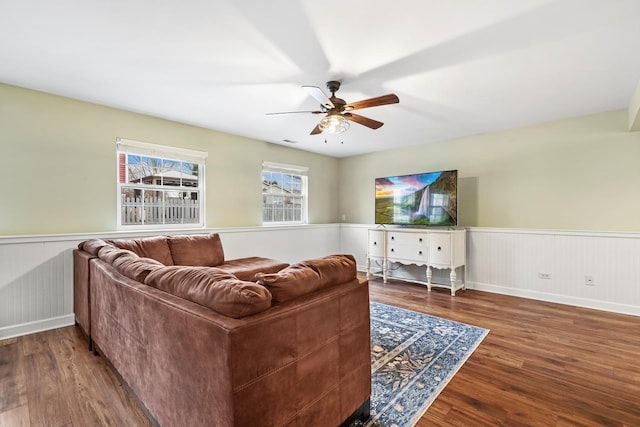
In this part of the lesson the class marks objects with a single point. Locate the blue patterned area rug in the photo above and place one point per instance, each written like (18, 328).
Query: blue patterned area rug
(413, 357)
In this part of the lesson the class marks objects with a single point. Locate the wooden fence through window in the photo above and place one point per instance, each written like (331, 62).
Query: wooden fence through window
(279, 212)
(158, 211)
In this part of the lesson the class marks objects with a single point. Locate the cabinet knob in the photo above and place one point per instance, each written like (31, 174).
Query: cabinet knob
(439, 248)
(375, 243)
(419, 252)
(420, 239)
(392, 249)
(392, 238)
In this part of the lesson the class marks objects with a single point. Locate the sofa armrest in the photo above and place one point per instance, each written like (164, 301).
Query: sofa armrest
(81, 290)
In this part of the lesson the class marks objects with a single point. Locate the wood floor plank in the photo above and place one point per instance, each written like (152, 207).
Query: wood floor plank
(84, 374)
(8, 341)
(13, 390)
(47, 406)
(542, 364)
(16, 417)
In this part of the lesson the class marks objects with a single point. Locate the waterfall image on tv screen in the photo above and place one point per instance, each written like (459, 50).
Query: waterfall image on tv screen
(419, 199)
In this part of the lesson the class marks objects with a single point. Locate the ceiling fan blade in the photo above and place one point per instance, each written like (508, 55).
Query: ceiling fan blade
(364, 121)
(373, 102)
(316, 130)
(295, 112)
(319, 96)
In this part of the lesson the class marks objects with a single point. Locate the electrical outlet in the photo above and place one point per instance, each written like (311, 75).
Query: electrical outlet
(589, 281)
(546, 276)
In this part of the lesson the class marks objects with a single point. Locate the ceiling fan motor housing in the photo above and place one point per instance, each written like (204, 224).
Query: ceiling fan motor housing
(338, 104)
(333, 86)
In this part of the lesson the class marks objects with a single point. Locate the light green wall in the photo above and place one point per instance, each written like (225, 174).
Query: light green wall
(58, 166)
(57, 170)
(575, 174)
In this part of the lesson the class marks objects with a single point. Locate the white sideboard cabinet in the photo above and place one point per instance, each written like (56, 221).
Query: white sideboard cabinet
(431, 248)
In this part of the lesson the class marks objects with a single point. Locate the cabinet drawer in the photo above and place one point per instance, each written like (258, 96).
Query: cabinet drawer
(407, 253)
(414, 239)
(440, 249)
(376, 249)
(376, 244)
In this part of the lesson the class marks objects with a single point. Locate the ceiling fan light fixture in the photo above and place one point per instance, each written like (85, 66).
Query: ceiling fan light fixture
(334, 123)
(338, 112)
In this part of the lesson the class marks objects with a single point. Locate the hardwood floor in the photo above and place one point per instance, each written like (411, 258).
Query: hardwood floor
(52, 379)
(542, 364)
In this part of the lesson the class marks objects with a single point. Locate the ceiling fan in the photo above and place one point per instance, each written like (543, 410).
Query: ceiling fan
(338, 112)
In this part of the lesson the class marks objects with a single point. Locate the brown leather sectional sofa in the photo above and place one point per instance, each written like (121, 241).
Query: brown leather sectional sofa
(202, 341)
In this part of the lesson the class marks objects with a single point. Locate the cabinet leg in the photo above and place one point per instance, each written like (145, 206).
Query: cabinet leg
(385, 268)
(368, 268)
(453, 278)
(464, 278)
(429, 275)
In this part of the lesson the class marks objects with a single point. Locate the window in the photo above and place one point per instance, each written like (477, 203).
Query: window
(284, 194)
(159, 186)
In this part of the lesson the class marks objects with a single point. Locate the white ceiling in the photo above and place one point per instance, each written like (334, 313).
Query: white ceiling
(459, 67)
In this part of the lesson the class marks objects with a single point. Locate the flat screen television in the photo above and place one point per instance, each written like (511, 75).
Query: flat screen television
(425, 199)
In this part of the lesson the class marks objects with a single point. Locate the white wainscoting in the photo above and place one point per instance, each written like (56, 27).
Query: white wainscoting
(36, 272)
(509, 261)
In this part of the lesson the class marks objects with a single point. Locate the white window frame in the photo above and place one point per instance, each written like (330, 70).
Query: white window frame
(302, 172)
(129, 146)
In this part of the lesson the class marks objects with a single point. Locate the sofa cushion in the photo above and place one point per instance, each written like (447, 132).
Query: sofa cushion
(213, 288)
(308, 276)
(198, 250)
(92, 246)
(149, 247)
(334, 269)
(246, 268)
(110, 253)
(135, 267)
(289, 283)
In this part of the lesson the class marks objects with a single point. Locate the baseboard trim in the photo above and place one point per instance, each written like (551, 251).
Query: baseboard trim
(559, 299)
(37, 326)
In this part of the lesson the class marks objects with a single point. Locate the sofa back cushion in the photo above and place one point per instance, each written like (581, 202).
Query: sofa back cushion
(92, 246)
(203, 250)
(308, 276)
(212, 288)
(110, 253)
(289, 283)
(333, 269)
(246, 268)
(135, 267)
(149, 247)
